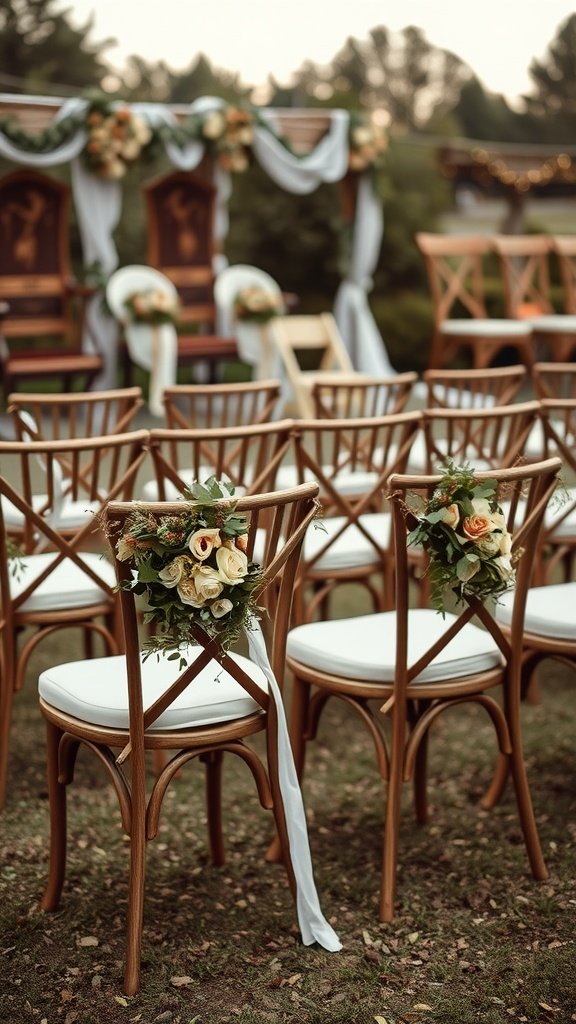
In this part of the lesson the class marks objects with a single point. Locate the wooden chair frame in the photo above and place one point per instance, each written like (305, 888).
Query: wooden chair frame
(477, 388)
(554, 380)
(195, 406)
(289, 513)
(495, 435)
(82, 414)
(564, 248)
(358, 396)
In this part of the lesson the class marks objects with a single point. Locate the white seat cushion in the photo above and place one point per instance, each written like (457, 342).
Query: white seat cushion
(354, 482)
(72, 515)
(562, 527)
(555, 323)
(351, 550)
(365, 647)
(66, 587)
(489, 327)
(96, 691)
(550, 611)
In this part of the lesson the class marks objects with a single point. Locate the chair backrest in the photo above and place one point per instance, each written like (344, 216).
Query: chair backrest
(564, 248)
(310, 348)
(524, 491)
(230, 281)
(34, 255)
(43, 417)
(371, 396)
(40, 478)
(554, 380)
(199, 406)
(286, 515)
(455, 269)
(492, 438)
(525, 274)
(474, 389)
(247, 456)
(180, 210)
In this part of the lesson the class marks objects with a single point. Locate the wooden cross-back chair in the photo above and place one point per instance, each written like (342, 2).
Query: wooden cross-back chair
(554, 380)
(465, 389)
(491, 438)
(180, 211)
(220, 405)
(417, 664)
(42, 417)
(52, 494)
(310, 349)
(558, 545)
(42, 310)
(359, 396)
(351, 460)
(246, 456)
(564, 248)
(525, 270)
(210, 709)
(455, 269)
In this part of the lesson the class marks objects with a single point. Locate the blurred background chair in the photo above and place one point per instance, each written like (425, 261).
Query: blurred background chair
(564, 248)
(475, 389)
(420, 664)
(255, 346)
(554, 380)
(221, 405)
(455, 268)
(310, 349)
(53, 575)
(100, 704)
(44, 417)
(44, 333)
(524, 266)
(492, 438)
(362, 396)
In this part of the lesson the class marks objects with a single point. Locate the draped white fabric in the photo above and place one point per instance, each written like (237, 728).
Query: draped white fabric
(98, 204)
(154, 348)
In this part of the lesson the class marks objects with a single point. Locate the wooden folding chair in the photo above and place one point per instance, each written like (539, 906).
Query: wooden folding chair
(56, 578)
(310, 349)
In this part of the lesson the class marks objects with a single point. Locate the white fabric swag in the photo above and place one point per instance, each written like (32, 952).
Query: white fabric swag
(98, 204)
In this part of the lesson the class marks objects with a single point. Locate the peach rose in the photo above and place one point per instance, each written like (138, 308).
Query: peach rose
(241, 541)
(203, 542)
(232, 565)
(476, 526)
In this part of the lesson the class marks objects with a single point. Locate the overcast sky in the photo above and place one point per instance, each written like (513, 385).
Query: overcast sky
(497, 38)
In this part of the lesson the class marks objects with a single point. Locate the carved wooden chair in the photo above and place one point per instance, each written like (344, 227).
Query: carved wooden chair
(310, 349)
(357, 396)
(455, 269)
(417, 664)
(56, 578)
(524, 265)
(220, 405)
(42, 310)
(210, 709)
(180, 243)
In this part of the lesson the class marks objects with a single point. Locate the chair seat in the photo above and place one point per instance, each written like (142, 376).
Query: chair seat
(364, 648)
(489, 327)
(37, 364)
(354, 482)
(554, 323)
(352, 550)
(550, 611)
(96, 691)
(72, 516)
(66, 587)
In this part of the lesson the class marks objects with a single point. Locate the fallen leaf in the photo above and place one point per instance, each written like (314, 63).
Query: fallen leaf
(121, 1000)
(421, 1006)
(380, 1020)
(88, 940)
(179, 981)
(413, 937)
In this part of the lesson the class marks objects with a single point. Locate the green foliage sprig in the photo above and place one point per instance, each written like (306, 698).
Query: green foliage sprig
(463, 531)
(192, 569)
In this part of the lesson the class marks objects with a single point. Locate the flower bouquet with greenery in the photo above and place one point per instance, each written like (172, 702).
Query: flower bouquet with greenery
(462, 529)
(367, 142)
(152, 306)
(115, 139)
(192, 570)
(228, 132)
(257, 304)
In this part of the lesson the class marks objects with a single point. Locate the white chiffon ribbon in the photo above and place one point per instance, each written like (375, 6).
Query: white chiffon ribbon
(154, 348)
(313, 925)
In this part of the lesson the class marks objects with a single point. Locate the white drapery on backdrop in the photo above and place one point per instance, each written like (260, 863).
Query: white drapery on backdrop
(98, 203)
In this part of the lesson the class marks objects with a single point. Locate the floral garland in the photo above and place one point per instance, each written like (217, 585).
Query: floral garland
(463, 531)
(257, 304)
(152, 306)
(192, 569)
(367, 142)
(115, 139)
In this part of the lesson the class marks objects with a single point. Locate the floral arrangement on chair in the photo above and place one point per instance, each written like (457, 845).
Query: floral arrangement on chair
(230, 134)
(192, 569)
(116, 138)
(463, 531)
(257, 304)
(152, 306)
(366, 144)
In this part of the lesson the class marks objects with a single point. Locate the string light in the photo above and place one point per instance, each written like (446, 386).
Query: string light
(555, 168)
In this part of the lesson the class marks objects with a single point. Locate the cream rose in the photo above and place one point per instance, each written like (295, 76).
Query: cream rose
(176, 570)
(221, 607)
(214, 125)
(505, 543)
(232, 565)
(451, 515)
(203, 542)
(209, 586)
(489, 544)
(188, 593)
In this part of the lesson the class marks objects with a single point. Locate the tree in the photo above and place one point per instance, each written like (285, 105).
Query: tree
(552, 104)
(39, 47)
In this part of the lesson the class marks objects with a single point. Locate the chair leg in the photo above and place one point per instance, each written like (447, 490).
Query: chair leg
(58, 821)
(520, 778)
(420, 781)
(6, 702)
(392, 819)
(213, 764)
(135, 910)
(496, 788)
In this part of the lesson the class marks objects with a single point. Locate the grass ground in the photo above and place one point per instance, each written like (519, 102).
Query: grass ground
(475, 938)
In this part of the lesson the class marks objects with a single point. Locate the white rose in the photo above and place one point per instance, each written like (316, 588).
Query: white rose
(221, 607)
(505, 543)
(214, 125)
(209, 586)
(203, 542)
(130, 149)
(232, 565)
(173, 573)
